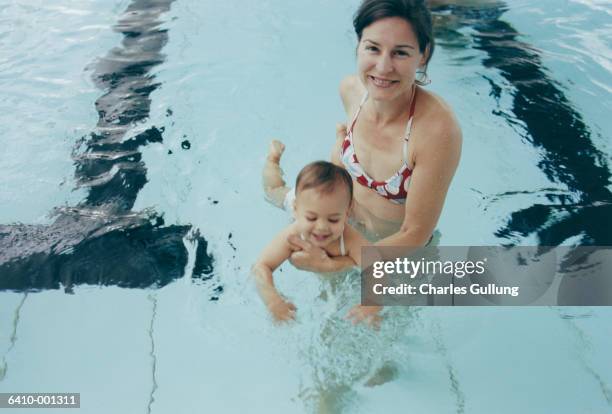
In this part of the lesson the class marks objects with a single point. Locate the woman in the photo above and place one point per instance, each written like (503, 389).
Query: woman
(403, 143)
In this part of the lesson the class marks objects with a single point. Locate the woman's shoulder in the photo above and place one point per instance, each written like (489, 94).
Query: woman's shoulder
(438, 116)
(351, 91)
(351, 85)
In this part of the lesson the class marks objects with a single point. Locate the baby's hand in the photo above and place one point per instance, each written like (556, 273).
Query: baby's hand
(282, 310)
(369, 315)
(276, 150)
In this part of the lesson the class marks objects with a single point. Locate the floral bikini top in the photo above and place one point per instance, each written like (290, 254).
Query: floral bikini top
(393, 188)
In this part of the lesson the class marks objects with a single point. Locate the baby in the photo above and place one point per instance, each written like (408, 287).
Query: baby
(323, 198)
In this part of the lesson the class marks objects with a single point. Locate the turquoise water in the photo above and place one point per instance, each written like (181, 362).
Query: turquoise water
(231, 78)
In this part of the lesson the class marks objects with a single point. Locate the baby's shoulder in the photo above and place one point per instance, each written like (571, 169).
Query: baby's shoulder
(353, 239)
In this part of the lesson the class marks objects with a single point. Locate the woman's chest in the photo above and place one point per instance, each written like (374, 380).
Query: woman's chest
(381, 153)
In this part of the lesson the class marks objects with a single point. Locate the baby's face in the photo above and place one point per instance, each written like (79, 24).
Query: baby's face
(321, 217)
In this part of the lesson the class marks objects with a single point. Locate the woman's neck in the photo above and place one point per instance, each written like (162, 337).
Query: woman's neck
(386, 112)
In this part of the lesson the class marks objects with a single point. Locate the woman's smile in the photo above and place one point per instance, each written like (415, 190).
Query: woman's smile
(382, 82)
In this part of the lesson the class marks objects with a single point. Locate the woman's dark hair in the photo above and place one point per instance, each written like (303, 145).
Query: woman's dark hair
(414, 12)
(324, 176)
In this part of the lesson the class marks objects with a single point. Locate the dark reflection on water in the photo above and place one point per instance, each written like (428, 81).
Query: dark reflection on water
(101, 241)
(145, 256)
(569, 156)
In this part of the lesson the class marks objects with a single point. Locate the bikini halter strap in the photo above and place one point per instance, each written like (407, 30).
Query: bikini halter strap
(409, 124)
(363, 99)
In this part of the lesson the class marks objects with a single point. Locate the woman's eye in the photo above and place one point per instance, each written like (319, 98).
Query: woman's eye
(371, 48)
(401, 53)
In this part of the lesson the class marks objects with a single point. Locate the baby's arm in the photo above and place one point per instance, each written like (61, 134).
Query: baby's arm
(354, 241)
(274, 254)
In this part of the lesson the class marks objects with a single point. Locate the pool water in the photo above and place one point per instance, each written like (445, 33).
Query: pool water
(131, 208)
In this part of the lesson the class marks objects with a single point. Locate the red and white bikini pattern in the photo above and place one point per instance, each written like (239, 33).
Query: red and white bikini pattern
(393, 189)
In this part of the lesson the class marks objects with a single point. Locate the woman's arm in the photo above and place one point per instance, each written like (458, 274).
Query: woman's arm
(311, 258)
(370, 315)
(335, 154)
(435, 164)
(433, 171)
(353, 241)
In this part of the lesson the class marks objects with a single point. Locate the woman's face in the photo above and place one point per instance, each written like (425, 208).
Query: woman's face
(388, 57)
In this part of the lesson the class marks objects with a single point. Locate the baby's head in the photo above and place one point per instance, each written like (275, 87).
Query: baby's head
(323, 198)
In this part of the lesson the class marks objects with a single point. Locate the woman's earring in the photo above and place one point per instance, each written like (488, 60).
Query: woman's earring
(422, 78)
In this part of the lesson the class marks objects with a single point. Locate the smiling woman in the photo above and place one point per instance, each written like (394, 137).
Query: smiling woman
(403, 143)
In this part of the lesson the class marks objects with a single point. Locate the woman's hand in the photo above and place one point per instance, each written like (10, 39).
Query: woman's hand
(370, 315)
(307, 256)
(311, 258)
